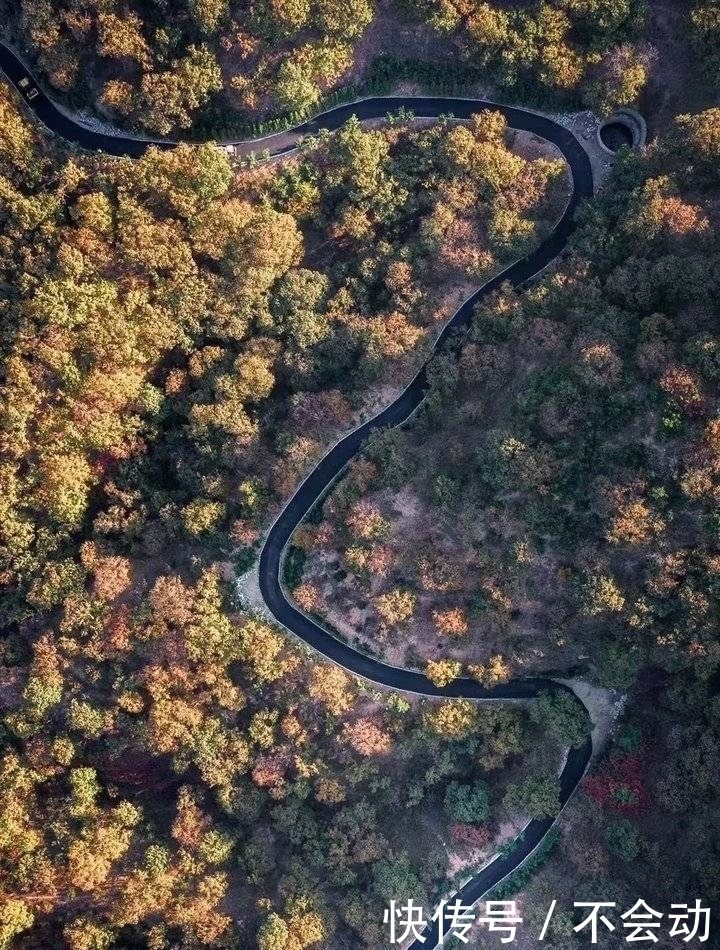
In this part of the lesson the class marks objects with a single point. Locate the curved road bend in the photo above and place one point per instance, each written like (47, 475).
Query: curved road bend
(328, 469)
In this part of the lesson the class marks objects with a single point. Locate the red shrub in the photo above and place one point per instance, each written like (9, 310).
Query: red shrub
(477, 836)
(619, 785)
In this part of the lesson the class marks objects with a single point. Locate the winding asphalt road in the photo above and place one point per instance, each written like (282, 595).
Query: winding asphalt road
(327, 470)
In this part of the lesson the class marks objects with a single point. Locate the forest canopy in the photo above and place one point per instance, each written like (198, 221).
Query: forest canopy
(556, 498)
(181, 338)
(165, 69)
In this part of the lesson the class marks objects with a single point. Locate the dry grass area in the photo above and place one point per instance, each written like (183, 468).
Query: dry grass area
(677, 82)
(391, 33)
(522, 621)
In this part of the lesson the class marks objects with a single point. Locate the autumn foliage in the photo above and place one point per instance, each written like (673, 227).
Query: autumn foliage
(619, 785)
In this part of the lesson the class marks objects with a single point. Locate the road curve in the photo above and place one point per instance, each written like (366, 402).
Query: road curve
(328, 469)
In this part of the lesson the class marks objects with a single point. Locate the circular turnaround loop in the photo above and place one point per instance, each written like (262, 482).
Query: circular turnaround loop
(330, 467)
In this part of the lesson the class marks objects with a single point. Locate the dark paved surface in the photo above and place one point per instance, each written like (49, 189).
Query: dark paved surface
(329, 468)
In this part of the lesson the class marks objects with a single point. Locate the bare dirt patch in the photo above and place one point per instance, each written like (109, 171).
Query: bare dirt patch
(392, 34)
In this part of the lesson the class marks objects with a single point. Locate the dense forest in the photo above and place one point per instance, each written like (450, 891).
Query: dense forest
(563, 465)
(163, 67)
(181, 338)
(190, 337)
(556, 500)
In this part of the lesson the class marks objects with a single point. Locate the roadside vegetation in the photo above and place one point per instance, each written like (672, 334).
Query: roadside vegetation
(184, 339)
(554, 498)
(554, 505)
(186, 67)
(180, 339)
(654, 794)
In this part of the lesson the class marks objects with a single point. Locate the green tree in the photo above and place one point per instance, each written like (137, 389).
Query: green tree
(209, 13)
(345, 19)
(15, 917)
(705, 20)
(623, 839)
(469, 804)
(619, 78)
(309, 69)
(296, 305)
(563, 717)
(395, 878)
(273, 933)
(168, 99)
(695, 139)
(185, 180)
(537, 796)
